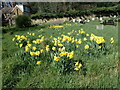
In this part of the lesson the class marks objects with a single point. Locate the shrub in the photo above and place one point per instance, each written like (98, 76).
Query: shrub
(104, 11)
(23, 21)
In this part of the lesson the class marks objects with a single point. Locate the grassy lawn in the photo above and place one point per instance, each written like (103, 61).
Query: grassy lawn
(99, 73)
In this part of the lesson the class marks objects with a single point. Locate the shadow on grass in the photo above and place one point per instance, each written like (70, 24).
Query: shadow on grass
(15, 29)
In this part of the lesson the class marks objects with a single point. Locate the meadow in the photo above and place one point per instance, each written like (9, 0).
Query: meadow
(85, 63)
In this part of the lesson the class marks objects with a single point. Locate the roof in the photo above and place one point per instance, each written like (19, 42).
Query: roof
(19, 6)
(6, 10)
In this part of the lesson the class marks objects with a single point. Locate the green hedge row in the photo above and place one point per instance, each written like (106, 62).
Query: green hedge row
(74, 13)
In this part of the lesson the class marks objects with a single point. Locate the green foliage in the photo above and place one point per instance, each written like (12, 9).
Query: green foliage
(23, 21)
(22, 72)
(104, 11)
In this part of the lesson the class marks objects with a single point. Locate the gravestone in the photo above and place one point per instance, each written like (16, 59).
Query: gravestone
(93, 19)
(100, 27)
(79, 20)
(88, 20)
(115, 16)
(101, 19)
(73, 20)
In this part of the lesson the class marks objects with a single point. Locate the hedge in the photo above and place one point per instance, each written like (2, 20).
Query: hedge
(74, 13)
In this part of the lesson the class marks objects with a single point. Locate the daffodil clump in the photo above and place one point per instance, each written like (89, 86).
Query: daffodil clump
(78, 66)
(62, 50)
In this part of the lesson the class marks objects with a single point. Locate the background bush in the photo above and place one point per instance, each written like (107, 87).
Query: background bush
(23, 21)
(103, 11)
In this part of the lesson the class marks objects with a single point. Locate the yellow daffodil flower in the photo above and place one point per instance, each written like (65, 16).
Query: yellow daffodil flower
(53, 48)
(86, 46)
(21, 45)
(34, 48)
(41, 50)
(38, 62)
(76, 69)
(56, 58)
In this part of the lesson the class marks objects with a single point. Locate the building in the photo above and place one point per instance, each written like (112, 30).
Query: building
(11, 10)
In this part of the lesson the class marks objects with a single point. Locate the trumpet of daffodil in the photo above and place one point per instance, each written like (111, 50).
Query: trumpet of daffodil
(29, 45)
(32, 53)
(33, 34)
(100, 41)
(30, 34)
(86, 47)
(13, 39)
(112, 40)
(77, 63)
(77, 46)
(17, 44)
(21, 45)
(34, 48)
(79, 41)
(41, 50)
(76, 69)
(55, 44)
(59, 38)
(91, 38)
(72, 41)
(80, 65)
(70, 55)
(34, 41)
(63, 49)
(85, 39)
(77, 66)
(19, 41)
(18, 38)
(60, 49)
(82, 31)
(63, 40)
(47, 49)
(47, 45)
(56, 58)
(68, 33)
(39, 35)
(23, 37)
(63, 53)
(87, 34)
(76, 40)
(53, 48)
(50, 36)
(28, 42)
(99, 47)
(58, 41)
(26, 48)
(37, 52)
(53, 41)
(60, 45)
(38, 62)
(69, 39)
(16, 35)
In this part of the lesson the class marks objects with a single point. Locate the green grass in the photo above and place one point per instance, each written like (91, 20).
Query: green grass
(100, 73)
